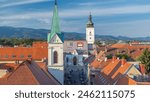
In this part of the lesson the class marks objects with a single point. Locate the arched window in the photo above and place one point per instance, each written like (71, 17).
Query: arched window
(74, 60)
(83, 58)
(55, 57)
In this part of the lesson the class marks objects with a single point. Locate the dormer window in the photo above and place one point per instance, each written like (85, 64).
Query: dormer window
(29, 56)
(13, 56)
(21, 56)
(6, 56)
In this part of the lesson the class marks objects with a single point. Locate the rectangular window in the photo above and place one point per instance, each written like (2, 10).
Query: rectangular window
(69, 44)
(13, 56)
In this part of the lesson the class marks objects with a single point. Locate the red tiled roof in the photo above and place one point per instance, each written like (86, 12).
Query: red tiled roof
(142, 68)
(28, 73)
(126, 81)
(38, 51)
(119, 45)
(130, 46)
(21, 53)
(99, 61)
(111, 67)
(113, 72)
(122, 69)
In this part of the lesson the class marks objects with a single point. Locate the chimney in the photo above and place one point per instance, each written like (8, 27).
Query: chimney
(105, 59)
(113, 59)
(123, 61)
(29, 60)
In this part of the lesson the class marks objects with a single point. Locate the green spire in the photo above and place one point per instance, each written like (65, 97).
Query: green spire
(55, 28)
(55, 2)
(90, 23)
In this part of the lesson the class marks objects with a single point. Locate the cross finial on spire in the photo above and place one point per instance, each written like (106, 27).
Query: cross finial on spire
(55, 2)
(90, 17)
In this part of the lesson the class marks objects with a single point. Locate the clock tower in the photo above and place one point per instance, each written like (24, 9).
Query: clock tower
(90, 33)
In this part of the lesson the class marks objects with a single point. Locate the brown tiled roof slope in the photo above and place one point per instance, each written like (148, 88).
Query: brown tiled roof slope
(126, 81)
(28, 73)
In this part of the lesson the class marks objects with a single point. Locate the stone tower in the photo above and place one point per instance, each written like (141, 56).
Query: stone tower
(90, 33)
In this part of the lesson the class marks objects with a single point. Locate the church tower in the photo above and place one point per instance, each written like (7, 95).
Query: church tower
(55, 48)
(90, 33)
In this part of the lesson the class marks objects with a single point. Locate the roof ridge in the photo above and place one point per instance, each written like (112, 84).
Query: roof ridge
(43, 72)
(27, 64)
(15, 69)
(23, 63)
(47, 73)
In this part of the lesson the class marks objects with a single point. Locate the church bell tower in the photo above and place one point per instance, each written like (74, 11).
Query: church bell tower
(90, 33)
(55, 48)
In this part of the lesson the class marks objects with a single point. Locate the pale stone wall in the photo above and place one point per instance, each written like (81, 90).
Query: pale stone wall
(59, 49)
(90, 38)
(133, 72)
(3, 72)
(57, 70)
(71, 45)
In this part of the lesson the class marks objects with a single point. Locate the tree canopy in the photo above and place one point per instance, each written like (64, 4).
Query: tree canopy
(17, 41)
(145, 59)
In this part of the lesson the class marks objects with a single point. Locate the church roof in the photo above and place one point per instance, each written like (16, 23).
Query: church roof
(55, 29)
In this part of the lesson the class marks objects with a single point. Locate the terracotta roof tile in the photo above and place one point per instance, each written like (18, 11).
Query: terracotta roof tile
(122, 69)
(126, 81)
(113, 72)
(111, 66)
(28, 73)
(37, 52)
(142, 68)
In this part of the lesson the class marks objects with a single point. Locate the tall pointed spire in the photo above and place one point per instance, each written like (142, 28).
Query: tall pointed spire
(55, 28)
(90, 22)
(55, 2)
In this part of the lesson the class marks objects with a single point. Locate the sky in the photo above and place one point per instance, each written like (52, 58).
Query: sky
(111, 17)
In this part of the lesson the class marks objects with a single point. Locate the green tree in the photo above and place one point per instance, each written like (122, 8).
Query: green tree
(123, 56)
(109, 56)
(145, 59)
(98, 43)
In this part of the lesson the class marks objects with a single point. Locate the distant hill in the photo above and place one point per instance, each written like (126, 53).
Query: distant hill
(11, 32)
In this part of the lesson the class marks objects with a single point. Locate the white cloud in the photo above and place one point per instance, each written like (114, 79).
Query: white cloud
(80, 12)
(20, 2)
(44, 18)
(131, 28)
(33, 15)
(99, 2)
